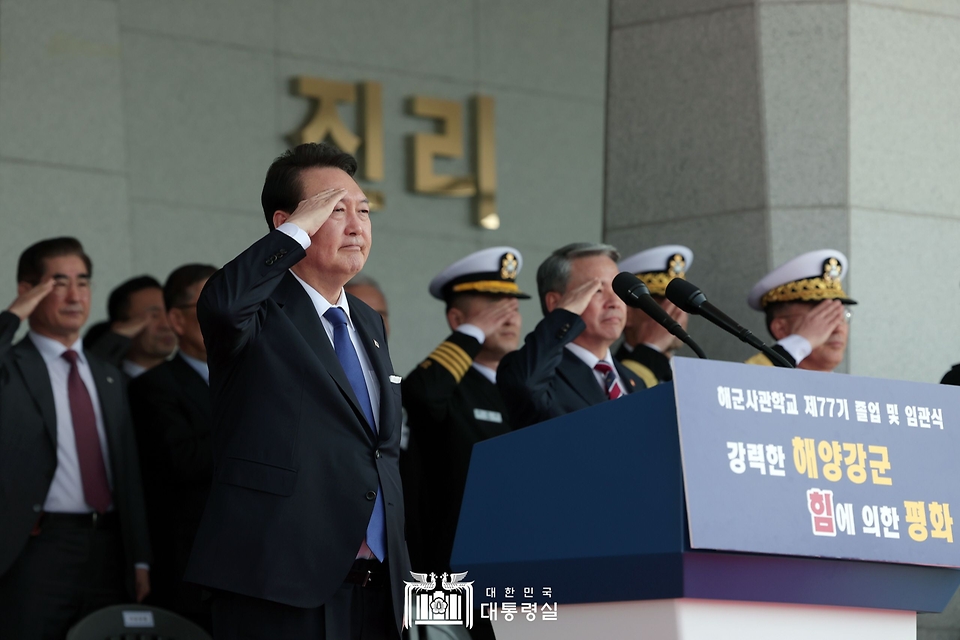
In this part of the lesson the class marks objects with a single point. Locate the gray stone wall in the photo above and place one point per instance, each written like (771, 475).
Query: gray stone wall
(755, 131)
(144, 127)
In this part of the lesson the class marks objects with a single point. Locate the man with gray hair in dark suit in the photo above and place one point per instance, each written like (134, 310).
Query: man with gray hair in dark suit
(565, 363)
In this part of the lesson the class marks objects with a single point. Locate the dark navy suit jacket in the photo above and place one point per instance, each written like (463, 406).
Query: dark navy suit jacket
(296, 467)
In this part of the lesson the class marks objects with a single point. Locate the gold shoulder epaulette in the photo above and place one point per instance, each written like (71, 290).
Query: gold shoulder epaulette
(642, 371)
(760, 359)
(452, 358)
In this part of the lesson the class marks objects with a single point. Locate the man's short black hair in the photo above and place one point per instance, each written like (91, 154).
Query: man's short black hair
(283, 188)
(31, 266)
(178, 283)
(118, 304)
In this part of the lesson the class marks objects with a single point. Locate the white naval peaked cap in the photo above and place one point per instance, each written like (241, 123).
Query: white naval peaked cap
(493, 271)
(810, 277)
(656, 267)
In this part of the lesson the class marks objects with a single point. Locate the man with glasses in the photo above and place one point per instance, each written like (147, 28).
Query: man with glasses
(806, 310)
(173, 417)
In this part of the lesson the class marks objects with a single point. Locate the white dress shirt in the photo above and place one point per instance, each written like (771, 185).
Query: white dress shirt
(486, 372)
(132, 369)
(197, 365)
(473, 331)
(591, 361)
(797, 346)
(66, 489)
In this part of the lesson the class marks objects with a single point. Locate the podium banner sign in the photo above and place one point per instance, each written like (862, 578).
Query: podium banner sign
(803, 463)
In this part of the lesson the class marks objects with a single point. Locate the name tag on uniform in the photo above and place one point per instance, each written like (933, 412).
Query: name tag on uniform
(488, 416)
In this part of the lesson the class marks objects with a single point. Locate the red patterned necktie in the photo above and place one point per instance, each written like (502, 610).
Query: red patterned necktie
(609, 380)
(93, 470)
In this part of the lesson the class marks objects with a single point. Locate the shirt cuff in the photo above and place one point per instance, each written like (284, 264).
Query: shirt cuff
(296, 233)
(797, 346)
(473, 331)
(142, 565)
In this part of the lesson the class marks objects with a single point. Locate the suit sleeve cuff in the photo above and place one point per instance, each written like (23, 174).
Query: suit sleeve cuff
(295, 232)
(797, 346)
(473, 331)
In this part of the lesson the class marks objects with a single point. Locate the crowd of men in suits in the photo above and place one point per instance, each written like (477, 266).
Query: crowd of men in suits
(229, 444)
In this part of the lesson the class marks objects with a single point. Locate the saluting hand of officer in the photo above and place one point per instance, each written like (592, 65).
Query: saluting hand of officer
(819, 323)
(311, 213)
(491, 318)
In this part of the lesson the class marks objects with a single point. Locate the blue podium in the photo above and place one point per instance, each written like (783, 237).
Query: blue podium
(638, 518)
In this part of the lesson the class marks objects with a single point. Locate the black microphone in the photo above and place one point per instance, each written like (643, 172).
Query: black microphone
(688, 297)
(633, 292)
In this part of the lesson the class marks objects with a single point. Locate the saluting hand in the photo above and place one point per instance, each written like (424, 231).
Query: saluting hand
(491, 318)
(577, 300)
(311, 213)
(130, 328)
(819, 323)
(26, 302)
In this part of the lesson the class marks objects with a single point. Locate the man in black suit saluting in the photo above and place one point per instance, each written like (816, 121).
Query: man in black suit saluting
(565, 363)
(73, 533)
(302, 536)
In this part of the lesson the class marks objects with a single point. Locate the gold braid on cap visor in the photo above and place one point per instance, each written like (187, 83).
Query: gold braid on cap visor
(807, 290)
(657, 281)
(487, 286)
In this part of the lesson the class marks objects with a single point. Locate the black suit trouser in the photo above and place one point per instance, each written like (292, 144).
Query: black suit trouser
(354, 613)
(63, 574)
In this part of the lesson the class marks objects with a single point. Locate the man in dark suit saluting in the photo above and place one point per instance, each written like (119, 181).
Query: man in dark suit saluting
(173, 416)
(73, 533)
(302, 536)
(565, 363)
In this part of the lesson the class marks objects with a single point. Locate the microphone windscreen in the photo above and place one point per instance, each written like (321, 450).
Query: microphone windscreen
(685, 295)
(628, 286)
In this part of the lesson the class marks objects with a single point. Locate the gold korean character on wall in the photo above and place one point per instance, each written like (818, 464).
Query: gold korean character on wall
(325, 123)
(447, 142)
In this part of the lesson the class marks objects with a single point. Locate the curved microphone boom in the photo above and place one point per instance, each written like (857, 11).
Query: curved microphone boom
(635, 294)
(688, 297)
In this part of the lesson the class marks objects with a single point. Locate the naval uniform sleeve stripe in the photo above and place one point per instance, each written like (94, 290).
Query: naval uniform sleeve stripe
(453, 357)
(457, 353)
(455, 369)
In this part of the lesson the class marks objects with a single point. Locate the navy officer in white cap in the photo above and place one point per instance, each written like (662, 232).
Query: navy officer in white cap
(452, 399)
(647, 347)
(806, 310)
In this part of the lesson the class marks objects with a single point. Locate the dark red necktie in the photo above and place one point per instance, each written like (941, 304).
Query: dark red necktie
(610, 380)
(93, 470)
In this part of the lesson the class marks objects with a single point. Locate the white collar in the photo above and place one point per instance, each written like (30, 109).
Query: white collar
(588, 358)
(321, 303)
(51, 350)
(486, 372)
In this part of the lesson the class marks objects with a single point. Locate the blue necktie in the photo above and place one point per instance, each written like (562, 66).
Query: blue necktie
(347, 355)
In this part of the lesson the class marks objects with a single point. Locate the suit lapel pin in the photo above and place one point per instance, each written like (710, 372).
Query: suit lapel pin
(109, 379)
(376, 344)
